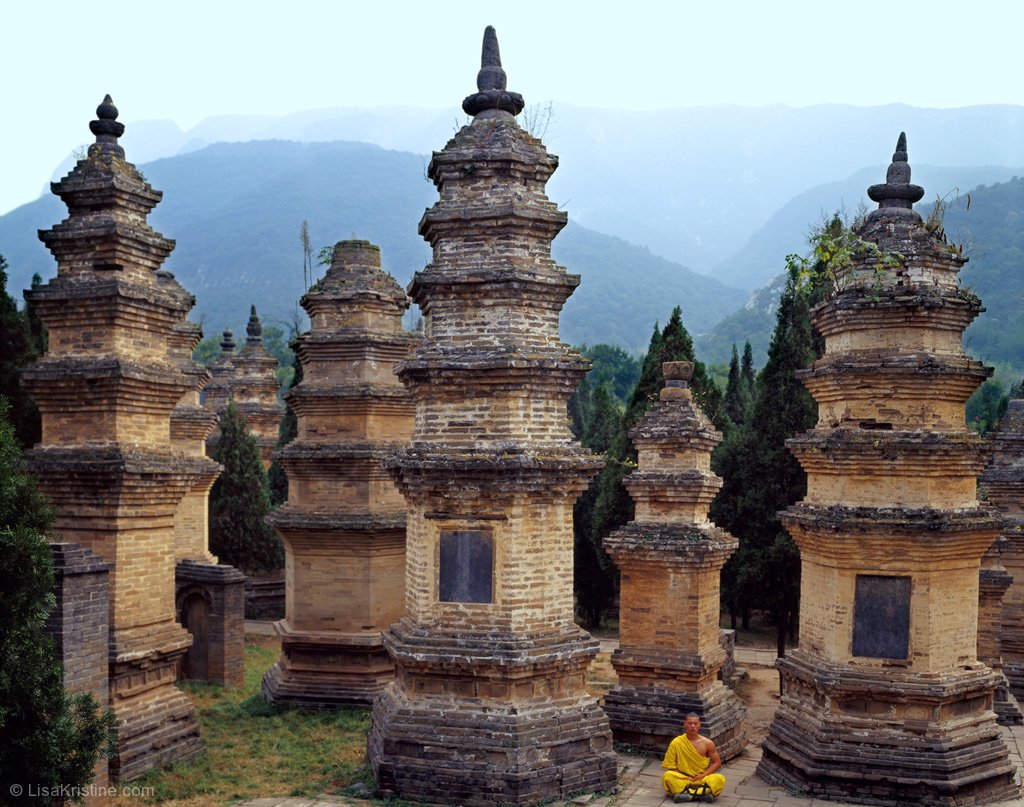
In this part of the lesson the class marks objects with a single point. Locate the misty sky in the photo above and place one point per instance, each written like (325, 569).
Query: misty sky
(188, 60)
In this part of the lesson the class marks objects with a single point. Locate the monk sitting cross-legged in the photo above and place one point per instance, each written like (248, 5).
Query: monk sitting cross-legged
(690, 763)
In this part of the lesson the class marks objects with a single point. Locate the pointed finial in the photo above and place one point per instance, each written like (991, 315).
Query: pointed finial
(106, 127)
(227, 342)
(897, 195)
(492, 97)
(254, 328)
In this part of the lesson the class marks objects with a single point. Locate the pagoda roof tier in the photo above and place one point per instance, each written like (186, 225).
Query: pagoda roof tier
(315, 394)
(73, 382)
(663, 666)
(158, 476)
(848, 682)
(667, 486)
(538, 218)
(487, 655)
(672, 544)
(487, 149)
(850, 312)
(889, 451)
(355, 277)
(191, 421)
(353, 344)
(299, 451)
(496, 279)
(98, 242)
(98, 295)
(891, 539)
(312, 521)
(473, 370)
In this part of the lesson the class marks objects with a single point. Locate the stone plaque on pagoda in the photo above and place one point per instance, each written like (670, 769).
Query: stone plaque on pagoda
(885, 700)
(489, 702)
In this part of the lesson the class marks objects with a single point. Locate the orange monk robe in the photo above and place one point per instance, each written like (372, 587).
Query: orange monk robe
(682, 762)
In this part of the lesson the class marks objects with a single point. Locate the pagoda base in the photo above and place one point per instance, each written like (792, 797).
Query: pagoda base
(472, 753)
(325, 670)
(1014, 672)
(1006, 707)
(156, 723)
(884, 735)
(483, 719)
(651, 717)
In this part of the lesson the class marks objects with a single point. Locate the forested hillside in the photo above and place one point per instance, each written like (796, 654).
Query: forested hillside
(235, 210)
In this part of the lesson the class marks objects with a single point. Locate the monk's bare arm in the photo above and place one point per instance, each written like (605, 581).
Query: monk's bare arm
(714, 761)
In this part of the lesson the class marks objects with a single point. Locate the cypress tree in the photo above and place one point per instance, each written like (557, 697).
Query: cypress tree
(747, 370)
(48, 738)
(240, 502)
(738, 398)
(760, 475)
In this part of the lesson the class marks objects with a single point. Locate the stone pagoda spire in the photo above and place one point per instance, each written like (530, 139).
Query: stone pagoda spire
(254, 387)
(885, 701)
(106, 389)
(489, 702)
(343, 525)
(216, 393)
(670, 558)
(1002, 485)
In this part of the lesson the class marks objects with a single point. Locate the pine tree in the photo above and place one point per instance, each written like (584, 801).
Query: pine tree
(17, 349)
(47, 737)
(240, 502)
(738, 397)
(747, 370)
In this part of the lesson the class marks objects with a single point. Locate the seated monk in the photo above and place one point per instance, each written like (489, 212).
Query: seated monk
(690, 760)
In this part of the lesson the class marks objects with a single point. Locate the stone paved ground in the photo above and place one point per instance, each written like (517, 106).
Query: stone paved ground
(640, 786)
(640, 777)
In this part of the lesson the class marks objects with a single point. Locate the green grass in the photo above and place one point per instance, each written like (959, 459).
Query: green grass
(255, 750)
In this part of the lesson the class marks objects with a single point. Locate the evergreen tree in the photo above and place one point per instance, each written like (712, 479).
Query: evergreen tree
(48, 738)
(18, 349)
(286, 432)
(738, 393)
(760, 475)
(579, 409)
(240, 502)
(747, 370)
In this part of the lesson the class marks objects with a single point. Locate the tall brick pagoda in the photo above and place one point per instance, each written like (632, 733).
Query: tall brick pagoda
(670, 559)
(1002, 484)
(489, 702)
(885, 701)
(209, 597)
(106, 389)
(343, 525)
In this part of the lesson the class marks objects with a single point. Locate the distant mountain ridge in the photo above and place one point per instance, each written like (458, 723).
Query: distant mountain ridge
(235, 210)
(693, 184)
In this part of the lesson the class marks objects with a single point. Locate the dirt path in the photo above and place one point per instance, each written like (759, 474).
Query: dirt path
(760, 692)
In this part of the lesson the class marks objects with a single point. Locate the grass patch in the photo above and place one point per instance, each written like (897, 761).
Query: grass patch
(255, 750)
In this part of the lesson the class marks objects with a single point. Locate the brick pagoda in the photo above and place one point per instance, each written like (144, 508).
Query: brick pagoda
(106, 389)
(343, 525)
(1002, 484)
(209, 597)
(670, 559)
(489, 704)
(885, 701)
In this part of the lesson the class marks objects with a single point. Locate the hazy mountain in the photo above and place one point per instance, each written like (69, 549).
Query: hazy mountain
(235, 210)
(693, 184)
(991, 231)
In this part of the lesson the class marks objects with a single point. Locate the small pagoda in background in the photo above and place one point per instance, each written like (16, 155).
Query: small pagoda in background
(1002, 485)
(489, 704)
(670, 559)
(885, 700)
(343, 525)
(106, 389)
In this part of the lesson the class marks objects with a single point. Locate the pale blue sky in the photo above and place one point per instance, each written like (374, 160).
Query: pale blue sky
(187, 60)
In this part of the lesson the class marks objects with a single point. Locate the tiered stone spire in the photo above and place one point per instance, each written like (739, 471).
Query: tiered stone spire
(343, 525)
(250, 378)
(1002, 485)
(885, 701)
(106, 389)
(670, 558)
(489, 702)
